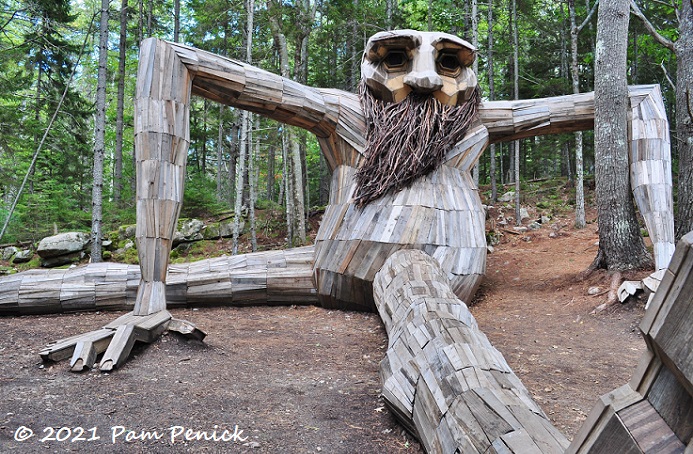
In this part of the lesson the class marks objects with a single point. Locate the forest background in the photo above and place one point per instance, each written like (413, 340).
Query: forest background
(49, 62)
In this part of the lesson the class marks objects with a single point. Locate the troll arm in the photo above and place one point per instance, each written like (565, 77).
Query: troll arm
(649, 147)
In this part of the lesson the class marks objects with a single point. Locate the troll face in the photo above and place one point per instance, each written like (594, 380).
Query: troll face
(396, 63)
(420, 97)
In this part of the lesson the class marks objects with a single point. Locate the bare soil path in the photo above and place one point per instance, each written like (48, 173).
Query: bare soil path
(304, 379)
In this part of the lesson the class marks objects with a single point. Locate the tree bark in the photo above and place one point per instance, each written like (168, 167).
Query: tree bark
(99, 137)
(246, 121)
(491, 97)
(176, 21)
(118, 157)
(295, 202)
(475, 67)
(621, 246)
(252, 180)
(575, 75)
(516, 95)
(220, 153)
(579, 165)
(684, 119)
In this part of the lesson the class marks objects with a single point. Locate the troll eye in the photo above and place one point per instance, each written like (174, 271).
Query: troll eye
(449, 64)
(395, 60)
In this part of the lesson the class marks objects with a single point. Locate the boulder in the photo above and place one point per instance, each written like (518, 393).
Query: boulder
(507, 197)
(211, 232)
(62, 244)
(189, 231)
(65, 259)
(127, 232)
(226, 228)
(9, 252)
(22, 256)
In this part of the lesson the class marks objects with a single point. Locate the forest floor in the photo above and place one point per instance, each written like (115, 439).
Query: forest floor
(302, 379)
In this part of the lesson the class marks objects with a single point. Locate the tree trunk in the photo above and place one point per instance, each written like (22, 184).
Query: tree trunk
(176, 21)
(150, 17)
(270, 173)
(684, 119)
(240, 174)
(295, 202)
(390, 6)
(99, 137)
(287, 185)
(475, 68)
(140, 21)
(516, 89)
(579, 165)
(118, 157)
(252, 180)
(220, 153)
(621, 246)
(491, 97)
(245, 144)
(299, 233)
(203, 151)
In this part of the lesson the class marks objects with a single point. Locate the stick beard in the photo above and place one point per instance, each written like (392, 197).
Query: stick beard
(407, 140)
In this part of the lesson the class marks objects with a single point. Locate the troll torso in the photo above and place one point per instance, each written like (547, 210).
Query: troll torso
(440, 213)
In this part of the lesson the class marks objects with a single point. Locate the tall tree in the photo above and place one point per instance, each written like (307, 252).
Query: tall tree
(621, 246)
(491, 97)
(475, 67)
(291, 148)
(516, 95)
(176, 20)
(118, 155)
(575, 30)
(99, 137)
(246, 122)
(683, 48)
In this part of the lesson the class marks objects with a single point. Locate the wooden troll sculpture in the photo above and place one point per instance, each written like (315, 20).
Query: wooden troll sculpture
(403, 233)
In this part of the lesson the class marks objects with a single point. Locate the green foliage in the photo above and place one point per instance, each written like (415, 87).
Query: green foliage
(40, 42)
(199, 198)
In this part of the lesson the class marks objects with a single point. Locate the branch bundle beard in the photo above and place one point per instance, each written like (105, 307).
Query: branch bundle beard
(407, 140)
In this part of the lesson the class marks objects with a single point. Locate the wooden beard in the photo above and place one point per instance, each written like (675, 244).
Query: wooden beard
(407, 140)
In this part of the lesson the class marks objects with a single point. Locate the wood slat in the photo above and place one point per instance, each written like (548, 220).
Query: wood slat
(439, 373)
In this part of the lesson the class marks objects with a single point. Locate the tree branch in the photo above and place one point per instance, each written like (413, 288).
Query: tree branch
(666, 74)
(669, 44)
(589, 17)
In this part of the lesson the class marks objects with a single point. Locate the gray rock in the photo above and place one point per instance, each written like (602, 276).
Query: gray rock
(23, 256)
(190, 230)
(211, 232)
(534, 226)
(62, 244)
(9, 252)
(226, 228)
(65, 259)
(126, 232)
(507, 197)
(524, 214)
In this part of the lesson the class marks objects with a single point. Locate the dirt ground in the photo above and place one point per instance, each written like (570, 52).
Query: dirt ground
(305, 379)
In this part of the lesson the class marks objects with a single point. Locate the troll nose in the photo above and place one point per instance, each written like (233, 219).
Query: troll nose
(424, 81)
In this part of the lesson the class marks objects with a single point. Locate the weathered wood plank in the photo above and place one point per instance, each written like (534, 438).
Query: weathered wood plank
(438, 372)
